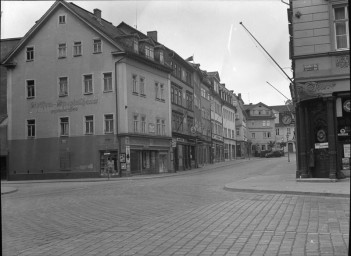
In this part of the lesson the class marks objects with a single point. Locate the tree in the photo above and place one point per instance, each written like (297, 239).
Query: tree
(282, 144)
(271, 144)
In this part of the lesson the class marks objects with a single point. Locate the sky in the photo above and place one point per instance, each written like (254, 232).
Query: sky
(207, 30)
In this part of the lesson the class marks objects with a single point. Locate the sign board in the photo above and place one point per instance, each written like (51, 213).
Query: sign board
(347, 150)
(127, 154)
(122, 157)
(321, 145)
(174, 143)
(123, 166)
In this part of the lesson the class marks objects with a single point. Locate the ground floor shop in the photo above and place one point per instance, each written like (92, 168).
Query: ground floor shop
(323, 136)
(229, 149)
(203, 152)
(217, 148)
(184, 155)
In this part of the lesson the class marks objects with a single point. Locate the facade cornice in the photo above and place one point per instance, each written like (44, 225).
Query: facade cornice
(317, 55)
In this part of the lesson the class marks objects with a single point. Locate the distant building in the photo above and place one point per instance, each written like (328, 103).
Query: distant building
(261, 127)
(320, 55)
(285, 127)
(243, 143)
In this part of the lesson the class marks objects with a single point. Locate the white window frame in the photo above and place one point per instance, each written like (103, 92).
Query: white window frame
(142, 85)
(109, 126)
(135, 122)
(62, 50)
(31, 57)
(26, 88)
(134, 84)
(31, 133)
(105, 82)
(77, 45)
(163, 127)
(143, 124)
(97, 45)
(59, 87)
(89, 126)
(64, 21)
(61, 130)
(92, 84)
(346, 21)
(149, 52)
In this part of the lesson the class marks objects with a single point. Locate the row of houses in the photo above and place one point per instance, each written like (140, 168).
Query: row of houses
(83, 93)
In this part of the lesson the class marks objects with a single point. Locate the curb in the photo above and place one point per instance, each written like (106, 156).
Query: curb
(12, 190)
(285, 192)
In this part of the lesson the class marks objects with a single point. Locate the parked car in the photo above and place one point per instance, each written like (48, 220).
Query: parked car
(275, 153)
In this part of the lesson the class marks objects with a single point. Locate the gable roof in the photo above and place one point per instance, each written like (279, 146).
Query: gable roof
(214, 74)
(283, 108)
(101, 26)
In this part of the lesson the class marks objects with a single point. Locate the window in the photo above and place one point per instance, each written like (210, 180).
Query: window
(162, 92)
(276, 131)
(163, 127)
(143, 124)
(62, 19)
(269, 134)
(30, 53)
(288, 130)
(30, 89)
(263, 147)
(135, 46)
(149, 52)
(341, 27)
(135, 122)
(263, 123)
(158, 126)
(109, 123)
(77, 49)
(134, 84)
(237, 132)
(64, 126)
(225, 132)
(253, 135)
(107, 82)
(62, 50)
(142, 86)
(88, 84)
(63, 86)
(89, 125)
(97, 45)
(268, 123)
(161, 57)
(157, 91)
(189, 101)
(31, 128)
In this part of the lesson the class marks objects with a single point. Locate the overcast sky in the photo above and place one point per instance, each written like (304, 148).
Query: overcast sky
(209, 30)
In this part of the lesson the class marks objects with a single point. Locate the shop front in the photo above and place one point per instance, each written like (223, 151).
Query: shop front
(323, 129)
(217, 148)
(184, 154)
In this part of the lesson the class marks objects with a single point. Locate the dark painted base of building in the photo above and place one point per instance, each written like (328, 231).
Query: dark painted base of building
(57, 175)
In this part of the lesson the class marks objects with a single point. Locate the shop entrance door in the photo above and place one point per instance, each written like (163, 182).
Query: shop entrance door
(104, 157)
(319, 138)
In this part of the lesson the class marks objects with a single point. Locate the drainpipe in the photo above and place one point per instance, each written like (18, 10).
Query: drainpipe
(117, 115)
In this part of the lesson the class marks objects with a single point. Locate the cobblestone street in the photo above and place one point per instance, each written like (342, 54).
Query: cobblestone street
(189, 214)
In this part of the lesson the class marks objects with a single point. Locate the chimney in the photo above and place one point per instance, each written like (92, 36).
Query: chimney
(153, 35)
(97, 14)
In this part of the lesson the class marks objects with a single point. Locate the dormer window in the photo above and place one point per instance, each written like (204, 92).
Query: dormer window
(135, 45)
(149, 52)
(161, 57)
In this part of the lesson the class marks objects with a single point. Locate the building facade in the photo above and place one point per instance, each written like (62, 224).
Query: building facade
(216, 118)
(78, 105)
(320, 54)
(261, 127)
(243, 143)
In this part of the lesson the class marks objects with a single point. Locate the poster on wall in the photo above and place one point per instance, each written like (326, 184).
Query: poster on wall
(347, 150)
(346, 163)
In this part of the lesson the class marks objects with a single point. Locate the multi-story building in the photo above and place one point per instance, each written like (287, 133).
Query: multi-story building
(183, 117)
(284, 127)
(228, 112)
(6, 46)
(243, 144)
(202, 116)
(81, 91)
(261, 126)
(216, 118)
(320, 54)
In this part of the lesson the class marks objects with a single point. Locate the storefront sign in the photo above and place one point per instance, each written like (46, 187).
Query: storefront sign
(346, 163)
(217, 137)
(180, 139)
(61, 106)
(310, 67)
(346, 106)
(321, 145)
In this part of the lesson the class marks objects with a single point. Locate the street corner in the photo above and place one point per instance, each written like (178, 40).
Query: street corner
(7, 190)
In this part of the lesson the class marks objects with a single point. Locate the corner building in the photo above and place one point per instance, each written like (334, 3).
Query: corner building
(80, 91)
(320, 54)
